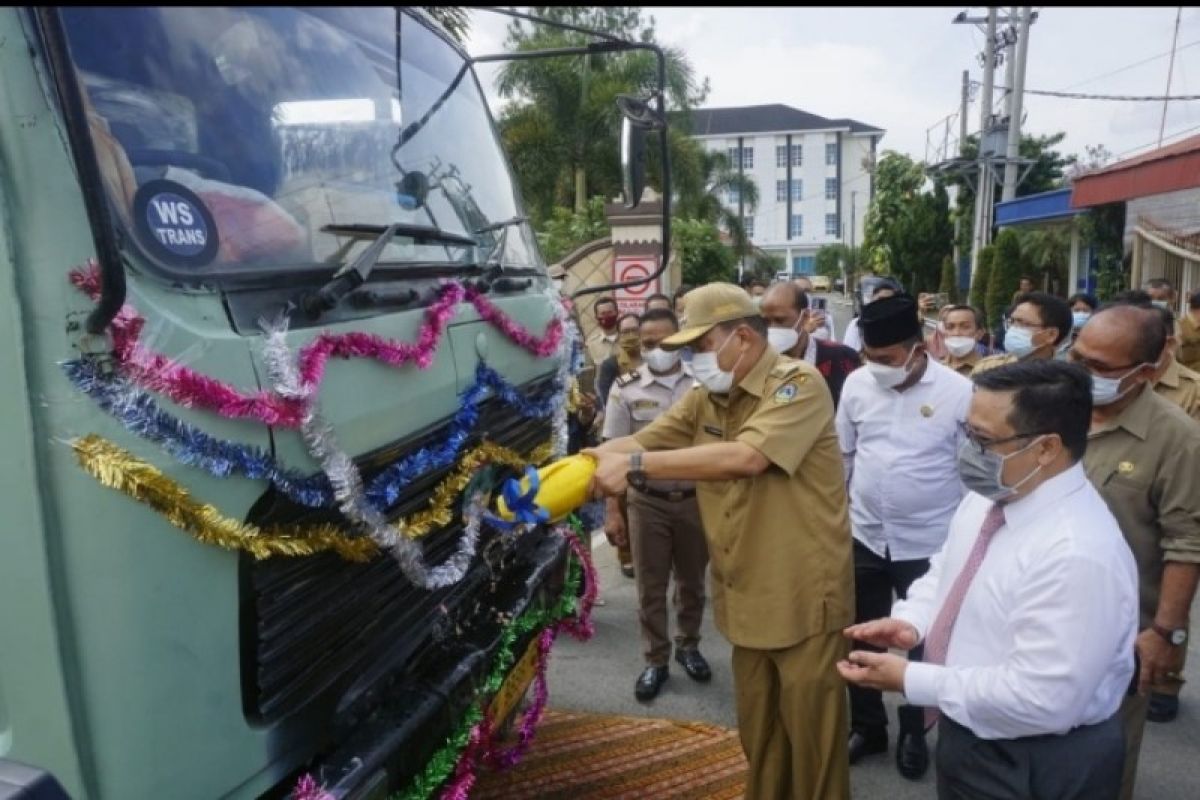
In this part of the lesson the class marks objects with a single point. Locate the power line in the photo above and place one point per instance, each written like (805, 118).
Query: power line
(1117, 97)
(1174, 135)
(1119, 70)
(1162, 126)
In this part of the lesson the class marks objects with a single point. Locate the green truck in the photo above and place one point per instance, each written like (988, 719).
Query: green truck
(182, 190)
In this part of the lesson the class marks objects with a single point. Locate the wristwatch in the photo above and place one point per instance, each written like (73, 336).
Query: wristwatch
(636, 475)
(1176, 636)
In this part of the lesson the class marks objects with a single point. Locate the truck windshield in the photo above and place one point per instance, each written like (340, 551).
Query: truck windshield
(230, 139)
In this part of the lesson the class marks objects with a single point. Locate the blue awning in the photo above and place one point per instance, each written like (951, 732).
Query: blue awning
(1045, 207)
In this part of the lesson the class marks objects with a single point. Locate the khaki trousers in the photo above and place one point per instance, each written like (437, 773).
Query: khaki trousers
(793, 721)
(666, 536)
(1133, 720)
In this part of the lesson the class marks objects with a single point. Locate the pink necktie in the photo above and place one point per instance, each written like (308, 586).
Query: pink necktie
(937, 641)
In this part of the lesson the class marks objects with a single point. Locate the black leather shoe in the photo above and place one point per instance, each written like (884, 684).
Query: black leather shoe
(1163, 707)
(912, 755)
(862, 745)
(650, 681)
(694, 664)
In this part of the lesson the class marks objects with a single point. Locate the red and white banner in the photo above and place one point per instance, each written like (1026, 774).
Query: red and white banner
(632, 300)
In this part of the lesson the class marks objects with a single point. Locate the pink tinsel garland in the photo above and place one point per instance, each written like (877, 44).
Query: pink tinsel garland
(158, 373)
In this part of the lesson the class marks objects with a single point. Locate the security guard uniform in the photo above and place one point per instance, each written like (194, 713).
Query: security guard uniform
(664, 520)
(782, 573)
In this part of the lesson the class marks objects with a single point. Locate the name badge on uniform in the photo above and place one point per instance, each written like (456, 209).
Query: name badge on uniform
(714, 431)
(785, 393)
(641, 405)
(1125, 468)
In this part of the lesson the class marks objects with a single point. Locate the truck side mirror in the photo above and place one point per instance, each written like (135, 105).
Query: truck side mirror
(633, 161)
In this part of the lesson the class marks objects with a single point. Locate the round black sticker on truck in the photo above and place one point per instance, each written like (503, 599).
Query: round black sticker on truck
(173, 224)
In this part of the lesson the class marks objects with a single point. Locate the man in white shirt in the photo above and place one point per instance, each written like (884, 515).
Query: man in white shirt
(899, 426)
(1029, 612)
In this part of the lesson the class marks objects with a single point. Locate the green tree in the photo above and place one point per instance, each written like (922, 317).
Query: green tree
(567, 230)
(1103, 230)
(909, 231)
(1005, 276)
(1047, 253)
(703, 257)
(765, 266)
(561, 126)
(983, 274)
(830, 257)
(949, 282)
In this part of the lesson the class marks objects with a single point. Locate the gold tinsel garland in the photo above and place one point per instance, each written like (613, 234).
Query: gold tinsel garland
(119, 469)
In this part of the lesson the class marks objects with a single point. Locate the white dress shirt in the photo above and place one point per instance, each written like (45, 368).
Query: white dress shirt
(853, 338)
(900, 450)
(1044, 639)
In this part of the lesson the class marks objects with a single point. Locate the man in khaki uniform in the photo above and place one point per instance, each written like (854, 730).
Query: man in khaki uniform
(603, 341)
(1143, 456)
(757, 437)
(964, 329)
(1038, 324)
(1173, 380)
(664, 519)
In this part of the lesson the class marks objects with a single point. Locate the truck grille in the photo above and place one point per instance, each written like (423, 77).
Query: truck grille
(315, 629)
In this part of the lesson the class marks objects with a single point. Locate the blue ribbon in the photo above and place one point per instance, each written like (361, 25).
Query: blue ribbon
(137, 411)
(523, 506)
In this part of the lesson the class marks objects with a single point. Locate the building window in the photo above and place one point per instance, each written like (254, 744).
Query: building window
(781, 192)
(831, 188)
(831, 153)
(796, 228)
(781, 155)
(804, 265)
(831, 225)
(797, 155)
(733, 196)
(748, 226)
(746, 161)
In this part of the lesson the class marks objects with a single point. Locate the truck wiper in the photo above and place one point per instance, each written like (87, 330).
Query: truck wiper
(356, 273)
(507, 223)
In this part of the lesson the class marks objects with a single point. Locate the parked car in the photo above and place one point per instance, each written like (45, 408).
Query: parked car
(820, 283)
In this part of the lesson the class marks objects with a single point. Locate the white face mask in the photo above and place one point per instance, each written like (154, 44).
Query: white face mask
(783, 339)
(1106, 391)
(708, 371)
(890, 377)
(659, 360)
(959, 346)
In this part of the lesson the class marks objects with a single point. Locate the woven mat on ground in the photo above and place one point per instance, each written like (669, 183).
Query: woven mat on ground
(600, 757)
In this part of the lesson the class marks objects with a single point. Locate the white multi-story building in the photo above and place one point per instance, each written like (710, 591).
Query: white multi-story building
(811, 172)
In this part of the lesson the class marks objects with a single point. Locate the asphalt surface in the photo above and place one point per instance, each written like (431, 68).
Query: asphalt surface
(599, 676)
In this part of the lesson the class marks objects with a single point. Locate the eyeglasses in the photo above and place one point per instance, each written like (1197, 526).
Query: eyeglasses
(983, 444)
(1009, 323)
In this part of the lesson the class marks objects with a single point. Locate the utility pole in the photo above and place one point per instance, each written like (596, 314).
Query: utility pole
(984, 186)
(1162, 126)
(962, 116)
(1016, 96)
(853, 252)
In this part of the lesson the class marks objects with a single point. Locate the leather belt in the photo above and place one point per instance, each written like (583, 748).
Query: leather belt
(675, 495)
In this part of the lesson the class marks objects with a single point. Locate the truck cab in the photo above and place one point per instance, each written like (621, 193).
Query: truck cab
(309, 177)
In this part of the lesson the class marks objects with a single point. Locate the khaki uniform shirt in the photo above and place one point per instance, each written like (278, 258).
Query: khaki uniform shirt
(1146, 466)
(1189, 342)
(1181, 386)
(640, 397)
(600, 346)
(966, 365)
(991, 362)
(779, 542)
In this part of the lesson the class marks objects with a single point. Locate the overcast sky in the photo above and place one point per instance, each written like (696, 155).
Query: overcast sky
(900, 69)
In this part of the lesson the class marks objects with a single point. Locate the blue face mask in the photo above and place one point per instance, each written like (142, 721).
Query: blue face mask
(1019, 342)
(1079, 318)
(1161, 303)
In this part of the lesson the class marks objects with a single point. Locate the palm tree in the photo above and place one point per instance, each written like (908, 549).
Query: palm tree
(704, 181)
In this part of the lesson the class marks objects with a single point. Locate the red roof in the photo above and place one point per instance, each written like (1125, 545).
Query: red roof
(1167, 169)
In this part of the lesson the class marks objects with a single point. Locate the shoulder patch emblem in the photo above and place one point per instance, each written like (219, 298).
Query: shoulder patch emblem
(628, 378)
(785, 393)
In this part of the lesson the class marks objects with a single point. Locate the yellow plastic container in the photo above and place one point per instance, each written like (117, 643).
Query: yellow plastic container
(562, 487)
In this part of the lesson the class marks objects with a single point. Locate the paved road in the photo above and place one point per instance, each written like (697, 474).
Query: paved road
(599, 676)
